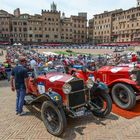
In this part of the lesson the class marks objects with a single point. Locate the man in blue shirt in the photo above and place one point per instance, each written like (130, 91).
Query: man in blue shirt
(19, 79)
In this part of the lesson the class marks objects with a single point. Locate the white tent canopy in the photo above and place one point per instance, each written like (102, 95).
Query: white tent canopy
(15, 44)
(19, 44)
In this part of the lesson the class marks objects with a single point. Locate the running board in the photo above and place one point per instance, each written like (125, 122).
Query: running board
(30, 99)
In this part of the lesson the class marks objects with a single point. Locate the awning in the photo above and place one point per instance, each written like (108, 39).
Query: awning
(4, 43)
(134, 43)
(15, 44)
(52, 44)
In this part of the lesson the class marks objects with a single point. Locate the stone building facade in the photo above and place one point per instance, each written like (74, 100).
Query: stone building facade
(19, 31)
(49, 27)
(79, 27)
(5, 26)
(126, 25)
(102, 27)
(66, 30)
(35, 29)
(116, 26)
(90, 31)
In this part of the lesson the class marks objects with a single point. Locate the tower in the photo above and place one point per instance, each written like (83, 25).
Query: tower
(63, 15)
(17, 12)
(53, 7)
(138, 3)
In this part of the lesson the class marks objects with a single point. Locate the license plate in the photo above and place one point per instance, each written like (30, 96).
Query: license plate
(80, 113)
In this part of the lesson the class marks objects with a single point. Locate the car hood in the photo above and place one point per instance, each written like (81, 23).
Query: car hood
(57, 77)
(114, 69)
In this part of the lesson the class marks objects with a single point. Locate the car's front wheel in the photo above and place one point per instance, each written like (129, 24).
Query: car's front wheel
(54, 118)
(123, 96)
(102, 104)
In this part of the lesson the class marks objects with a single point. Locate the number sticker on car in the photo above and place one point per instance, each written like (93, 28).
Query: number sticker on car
(56, 98)
(41, 88)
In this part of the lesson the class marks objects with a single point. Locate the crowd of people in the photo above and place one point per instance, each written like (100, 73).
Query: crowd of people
(91, 62)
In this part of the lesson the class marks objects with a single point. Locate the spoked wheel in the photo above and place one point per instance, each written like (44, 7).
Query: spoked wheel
(123, 95)
(102, 105)
(53, 118)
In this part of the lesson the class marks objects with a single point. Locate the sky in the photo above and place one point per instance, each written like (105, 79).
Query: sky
(69, 7)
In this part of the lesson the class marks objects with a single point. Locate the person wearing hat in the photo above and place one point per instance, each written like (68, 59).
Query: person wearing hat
(134, 58)
(18, 82)
(91, 65)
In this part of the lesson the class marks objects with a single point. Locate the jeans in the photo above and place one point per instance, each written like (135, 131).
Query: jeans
(8, 73)
(20, 99)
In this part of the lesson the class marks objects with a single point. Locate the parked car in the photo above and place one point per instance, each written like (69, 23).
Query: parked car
(123, 82)
(63, 95)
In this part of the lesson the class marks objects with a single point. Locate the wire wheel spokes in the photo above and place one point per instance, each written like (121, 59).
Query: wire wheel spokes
(52, 118)
(122, 95)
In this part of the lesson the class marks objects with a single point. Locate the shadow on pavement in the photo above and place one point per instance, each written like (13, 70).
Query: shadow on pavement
(76, 125)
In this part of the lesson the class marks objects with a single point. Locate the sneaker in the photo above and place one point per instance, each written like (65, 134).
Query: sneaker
(22, 113)
(17, 113)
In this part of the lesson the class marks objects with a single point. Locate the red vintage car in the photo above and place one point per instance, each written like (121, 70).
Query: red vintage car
(63, 95)
(130, 65)
(123, 83)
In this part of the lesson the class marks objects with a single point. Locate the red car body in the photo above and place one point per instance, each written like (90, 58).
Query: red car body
(62, 94)
(111, 75)
(121, 78)
(48, 81)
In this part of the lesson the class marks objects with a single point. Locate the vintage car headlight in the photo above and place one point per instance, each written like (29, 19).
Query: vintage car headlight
(133, 77)
(66, 88)
(89, 83)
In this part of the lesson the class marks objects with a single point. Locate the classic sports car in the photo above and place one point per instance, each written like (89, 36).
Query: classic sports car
(123, 83)
(62, 95)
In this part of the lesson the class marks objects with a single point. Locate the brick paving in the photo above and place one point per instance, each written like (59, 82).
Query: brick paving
(30, 127)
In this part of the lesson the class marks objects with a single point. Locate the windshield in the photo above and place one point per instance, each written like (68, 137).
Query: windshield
(53, 66)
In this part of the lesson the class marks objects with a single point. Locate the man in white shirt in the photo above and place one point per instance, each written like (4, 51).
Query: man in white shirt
(33, 63)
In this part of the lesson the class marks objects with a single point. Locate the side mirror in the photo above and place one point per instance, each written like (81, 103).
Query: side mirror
(33, 81)
(45, 73)
(74, 74)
